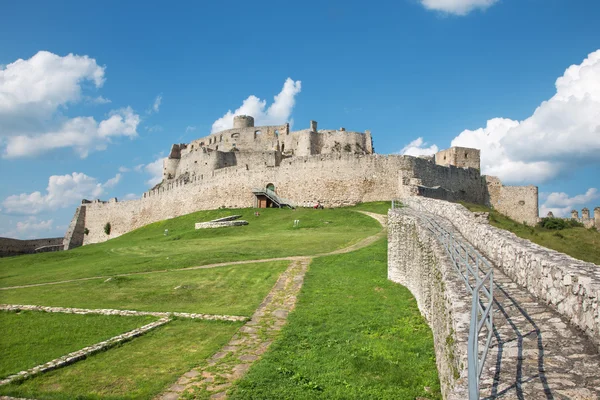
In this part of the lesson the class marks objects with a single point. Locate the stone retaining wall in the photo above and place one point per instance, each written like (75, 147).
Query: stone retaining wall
(417, 261)
(569, 285)
(14, 247)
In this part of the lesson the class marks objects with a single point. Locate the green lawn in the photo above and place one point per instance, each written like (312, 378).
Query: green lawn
(234, 290)
(139, 369)
(353, 335)
(378, 207)
(580, 243)
(147, 249)
(31, 338)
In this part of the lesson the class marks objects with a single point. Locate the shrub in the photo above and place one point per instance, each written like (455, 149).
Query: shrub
(559, 223)
(86, 231)
(107, 228)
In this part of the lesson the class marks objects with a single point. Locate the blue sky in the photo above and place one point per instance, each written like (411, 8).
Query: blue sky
(125, 81)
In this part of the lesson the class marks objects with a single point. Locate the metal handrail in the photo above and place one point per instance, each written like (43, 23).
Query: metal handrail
(476, 272)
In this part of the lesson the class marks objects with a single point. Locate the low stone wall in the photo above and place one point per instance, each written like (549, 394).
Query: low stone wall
(223, 224)
(570, 286)
(14, 247)
(417, 261)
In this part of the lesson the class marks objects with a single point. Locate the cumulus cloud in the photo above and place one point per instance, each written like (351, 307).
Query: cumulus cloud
(190, 129)
(562, 133)
(457, 7)
(34, 95)
(277, 113)
(417, 148)
(62, 191)
(83, 134)
(32, 227)
(155, 169)
(560, 204)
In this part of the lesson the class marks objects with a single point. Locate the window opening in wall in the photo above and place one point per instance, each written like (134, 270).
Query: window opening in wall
(270, 186)
(217, 148)
(256, 133)
(466, 155)
(277, 132)
(221, 138)
(282, 147)
(235, 135)
(521, 202)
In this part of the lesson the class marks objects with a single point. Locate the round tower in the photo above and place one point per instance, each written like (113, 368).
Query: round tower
(243, 121)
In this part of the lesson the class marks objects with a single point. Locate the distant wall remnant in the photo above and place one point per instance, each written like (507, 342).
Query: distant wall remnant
(586, 220)
(76, 231)
(15, 247)
(517, 202)
(462, 157)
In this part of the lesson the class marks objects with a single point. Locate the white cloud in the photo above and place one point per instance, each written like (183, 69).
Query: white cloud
(417, 148)
(83, 134)
(560, 204)
(457, 7)
(563, 132)
(139, 167)
(62, 191)
(38, 86)
(32, 227)
(154, 128)
(155, 169)
(124, 169)
(155, 106)
(131, 196)
(35, 93)
(277, 113)
(190, 129)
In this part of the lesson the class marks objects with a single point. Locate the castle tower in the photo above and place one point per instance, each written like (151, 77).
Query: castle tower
(575, 214)
(243, 121)
(585, 214)
(597, 217)
(313, 126)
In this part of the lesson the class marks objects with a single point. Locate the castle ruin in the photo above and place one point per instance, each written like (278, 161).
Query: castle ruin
(333, 167)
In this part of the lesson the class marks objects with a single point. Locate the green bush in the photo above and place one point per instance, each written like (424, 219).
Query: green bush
(107, 228)
(86, 231)
(559, 223)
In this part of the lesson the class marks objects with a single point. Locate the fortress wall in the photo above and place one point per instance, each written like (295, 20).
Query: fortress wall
(342, 142)
(333, 179)
(460, 184)
(519, 203)
(570, 286)
(417, 261)
(75, 234)
(13, 247)
(246, 138)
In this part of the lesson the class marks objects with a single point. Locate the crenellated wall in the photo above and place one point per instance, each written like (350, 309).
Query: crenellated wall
(333, 179)
(519, 203)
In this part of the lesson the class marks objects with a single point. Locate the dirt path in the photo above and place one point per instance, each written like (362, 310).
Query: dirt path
(215, 377)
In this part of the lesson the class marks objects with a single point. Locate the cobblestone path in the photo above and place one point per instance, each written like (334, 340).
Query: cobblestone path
(535, 354)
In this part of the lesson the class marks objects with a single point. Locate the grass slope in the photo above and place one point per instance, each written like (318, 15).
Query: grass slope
(580, 243)
(147, 249)
(353, 335)
(235, 290)
(29, 338)
(138, 369)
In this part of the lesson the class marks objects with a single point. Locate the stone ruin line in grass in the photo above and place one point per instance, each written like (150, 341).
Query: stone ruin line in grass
(232, 220)
(84, 353)
(123, 313)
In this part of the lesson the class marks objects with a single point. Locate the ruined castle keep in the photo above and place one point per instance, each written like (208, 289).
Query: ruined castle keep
(333, 167)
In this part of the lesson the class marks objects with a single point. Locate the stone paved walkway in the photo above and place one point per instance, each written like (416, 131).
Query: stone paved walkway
(534, 354)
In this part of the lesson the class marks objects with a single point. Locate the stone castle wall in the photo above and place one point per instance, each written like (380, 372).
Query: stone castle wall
(417, 261)
(14, 247)
(570, 286)
(519, 203)
(333, 179)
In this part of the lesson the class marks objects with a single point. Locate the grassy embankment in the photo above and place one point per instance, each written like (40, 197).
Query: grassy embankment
(147, 249)
(354, 335)
(578, 242)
